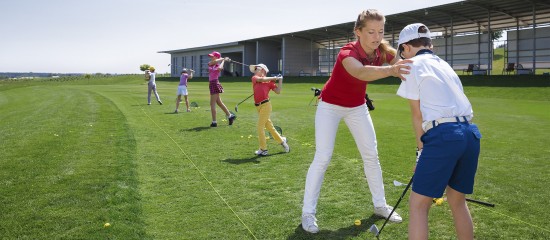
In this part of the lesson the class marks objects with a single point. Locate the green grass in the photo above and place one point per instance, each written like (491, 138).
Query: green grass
(77, 153)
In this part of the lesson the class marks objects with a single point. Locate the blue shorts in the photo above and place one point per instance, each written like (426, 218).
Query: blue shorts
(449, 157)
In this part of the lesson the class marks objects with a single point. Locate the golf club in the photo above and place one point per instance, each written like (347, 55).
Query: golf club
(373, 228)
(316, 93)
(278, 129)
(237, 106)
(398, 184)
(239, 63)
(480, 202)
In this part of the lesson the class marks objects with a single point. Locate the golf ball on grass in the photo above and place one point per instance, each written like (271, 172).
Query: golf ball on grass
(106, 225)
(438, 201)
(357, 222)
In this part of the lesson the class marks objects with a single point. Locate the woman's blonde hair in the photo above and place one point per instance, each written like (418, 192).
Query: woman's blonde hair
(375, 15)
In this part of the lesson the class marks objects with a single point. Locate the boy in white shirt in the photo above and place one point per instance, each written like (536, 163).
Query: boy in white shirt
(448, 144)
(152, 86)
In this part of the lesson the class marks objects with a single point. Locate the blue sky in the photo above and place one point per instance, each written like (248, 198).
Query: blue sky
(116, 36)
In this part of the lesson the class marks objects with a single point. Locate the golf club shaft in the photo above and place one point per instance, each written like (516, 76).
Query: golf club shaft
(245, 99)
(239, 63)
(237, 106)
(480, 202)
(395, 207)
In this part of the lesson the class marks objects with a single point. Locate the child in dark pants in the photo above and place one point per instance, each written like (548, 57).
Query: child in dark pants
(448, 143)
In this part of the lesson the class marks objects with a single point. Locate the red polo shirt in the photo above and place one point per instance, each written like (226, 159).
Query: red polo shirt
(344, 90)
(261, 89)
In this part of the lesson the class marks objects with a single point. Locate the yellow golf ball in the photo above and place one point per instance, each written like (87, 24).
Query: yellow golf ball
(106, 225)
(439, 201)
(357, 222)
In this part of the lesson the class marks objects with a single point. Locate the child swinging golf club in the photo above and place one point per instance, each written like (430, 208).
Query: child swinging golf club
(215, 67)
(182, 88)
(261, 85)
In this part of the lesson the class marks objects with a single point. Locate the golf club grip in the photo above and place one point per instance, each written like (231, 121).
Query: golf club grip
(480, 202)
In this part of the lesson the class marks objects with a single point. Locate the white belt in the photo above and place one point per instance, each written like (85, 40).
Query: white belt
(431, 124)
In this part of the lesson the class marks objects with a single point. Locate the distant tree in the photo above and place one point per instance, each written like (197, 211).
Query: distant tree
(496, 35)
(501, 45)
(87, 76)
(144, 67)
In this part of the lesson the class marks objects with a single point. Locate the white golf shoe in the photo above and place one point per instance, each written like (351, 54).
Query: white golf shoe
(385, 212)
(309, 223)
(285, 145)
(261, 152)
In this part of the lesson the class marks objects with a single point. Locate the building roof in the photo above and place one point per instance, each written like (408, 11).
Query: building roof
(463, 17)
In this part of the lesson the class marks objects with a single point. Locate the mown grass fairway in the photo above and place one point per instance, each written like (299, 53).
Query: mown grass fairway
(80, 153)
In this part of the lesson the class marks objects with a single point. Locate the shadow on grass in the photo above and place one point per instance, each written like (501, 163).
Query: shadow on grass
(342, 233)
(254, 159)
(195, 129)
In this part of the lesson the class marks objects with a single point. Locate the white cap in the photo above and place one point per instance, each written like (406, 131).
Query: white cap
(261, 65)
(410, 32)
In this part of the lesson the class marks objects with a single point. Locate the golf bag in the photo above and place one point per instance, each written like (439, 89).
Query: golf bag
(370, 106)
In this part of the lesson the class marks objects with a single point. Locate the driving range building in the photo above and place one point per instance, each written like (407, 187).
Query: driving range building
(464, 39)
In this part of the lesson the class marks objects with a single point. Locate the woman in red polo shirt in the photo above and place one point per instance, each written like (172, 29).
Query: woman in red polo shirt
(343, 97)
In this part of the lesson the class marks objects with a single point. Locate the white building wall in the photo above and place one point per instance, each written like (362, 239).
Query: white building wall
(301, 57)
(471, 49)
(268, 53)
(522, 51)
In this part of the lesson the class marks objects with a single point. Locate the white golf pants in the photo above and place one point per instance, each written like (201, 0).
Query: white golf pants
(359, 122)
(152, 87)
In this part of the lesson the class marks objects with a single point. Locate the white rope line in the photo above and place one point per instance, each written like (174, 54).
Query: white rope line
(202, 174)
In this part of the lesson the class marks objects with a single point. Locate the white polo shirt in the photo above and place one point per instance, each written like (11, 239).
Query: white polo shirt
(436, 85)
(152, 79)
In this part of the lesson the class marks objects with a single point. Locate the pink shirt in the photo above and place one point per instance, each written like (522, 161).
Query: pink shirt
(261, 89)
(213, 72)
(183, 79)
(344, 90)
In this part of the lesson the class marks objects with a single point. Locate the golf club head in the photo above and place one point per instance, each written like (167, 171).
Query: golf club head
(374, 229)
(279, 130)
(236, 109)
(398, 184)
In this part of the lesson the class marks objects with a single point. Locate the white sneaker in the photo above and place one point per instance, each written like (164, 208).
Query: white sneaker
(309, 223)
(285, 145)
(261, 152)
(385, 212)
